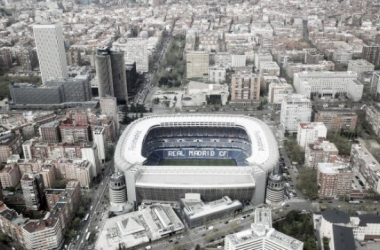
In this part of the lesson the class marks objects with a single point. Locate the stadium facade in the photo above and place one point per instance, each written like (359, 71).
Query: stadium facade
(149, 146)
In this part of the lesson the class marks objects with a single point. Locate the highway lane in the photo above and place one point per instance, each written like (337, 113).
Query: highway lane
(96, 203)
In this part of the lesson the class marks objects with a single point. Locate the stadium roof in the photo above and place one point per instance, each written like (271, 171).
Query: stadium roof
(263, 143)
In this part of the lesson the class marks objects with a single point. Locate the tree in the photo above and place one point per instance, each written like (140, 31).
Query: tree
(76, 222)
(70, 234)
(197, 247)
(80, 212)
(307, 183)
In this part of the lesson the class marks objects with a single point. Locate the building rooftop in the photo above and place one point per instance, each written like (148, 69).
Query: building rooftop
(336, 216)
(343, 238)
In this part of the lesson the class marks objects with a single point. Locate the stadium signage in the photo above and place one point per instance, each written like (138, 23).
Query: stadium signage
(260, 145)
(196, 153)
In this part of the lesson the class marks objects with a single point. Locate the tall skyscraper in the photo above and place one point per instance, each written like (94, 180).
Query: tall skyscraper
(50, 51)
(110, 69)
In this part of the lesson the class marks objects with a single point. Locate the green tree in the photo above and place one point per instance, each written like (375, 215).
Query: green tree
(76, 222)
(70, 234)
(80, 212)
(307, 183)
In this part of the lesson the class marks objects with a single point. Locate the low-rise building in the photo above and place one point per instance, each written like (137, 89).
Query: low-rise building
(310, 132)
(328, 84)
(360, 66)
(334, 180)
(261, 236)
(269, 69)
(217, 74)
(321, 151)
(11, 224)
(196, 212)
(336, 118)
(140, 227)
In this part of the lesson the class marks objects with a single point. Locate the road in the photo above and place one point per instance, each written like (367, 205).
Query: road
(95, 214)
(201, 235)
(147, 86)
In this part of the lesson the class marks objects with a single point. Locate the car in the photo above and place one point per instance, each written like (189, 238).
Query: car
(170, 241)
(226, 222)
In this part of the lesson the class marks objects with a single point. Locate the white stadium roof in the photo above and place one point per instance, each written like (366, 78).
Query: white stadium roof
(263, 143)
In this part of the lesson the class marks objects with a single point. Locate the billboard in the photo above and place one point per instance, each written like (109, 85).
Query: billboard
(197, 153)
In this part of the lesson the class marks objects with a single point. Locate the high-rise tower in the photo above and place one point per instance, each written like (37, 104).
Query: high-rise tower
(50, 51)
(110, 69)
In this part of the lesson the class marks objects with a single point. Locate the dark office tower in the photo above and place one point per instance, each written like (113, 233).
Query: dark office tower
(372, 54)
(119, 75)
(104, 72)
(110, 70)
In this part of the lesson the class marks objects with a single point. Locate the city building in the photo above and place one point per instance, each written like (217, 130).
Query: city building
(292, 67)
(73, 89)
(10, 176)
(336, 118)
(334, 180)
(295, 109)
(275, 189)
(110, 70)
(33, 191)
(197, 213)
(197, 64)
(117, 188)
(343, 230)
(320, 151)
(90, 153)
(261, 236)
(328, 84)
(48, 175)
(269, 69)
(360, 66)
(11, 224)
(99, 138)
(373, 118)
(371, 53)
(74, 92)
(278, 91)
(108, 106)
(262, 57)
(49, 132)
(198, 94)
(10, 144)
(74, 133)
(217, 74)
(245, 87)
(80, 170)
(363, 162)
(375, 85)
(50, 51)
(310, 132)
(43, 234)
(135, 51)
(140, 227)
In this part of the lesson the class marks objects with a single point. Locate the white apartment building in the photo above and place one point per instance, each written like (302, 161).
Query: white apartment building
(310, 132)
(217, 74)
(108, 106)
(295, 109)
(135, 50)
(238, 60)
(269, 69)
(90, 153)
(278, 91)
(51, 51)
(262, 57)
(99, 137)
(197, 64)
(328, 84)
(360, 66)
(43, 234)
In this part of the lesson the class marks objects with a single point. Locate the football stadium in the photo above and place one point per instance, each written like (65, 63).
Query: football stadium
(165, 156)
